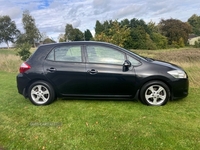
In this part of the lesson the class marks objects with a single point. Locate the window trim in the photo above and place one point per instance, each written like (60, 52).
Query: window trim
(86, 54)
(53, 49)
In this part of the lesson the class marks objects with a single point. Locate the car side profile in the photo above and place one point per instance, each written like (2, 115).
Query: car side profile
(90, 69)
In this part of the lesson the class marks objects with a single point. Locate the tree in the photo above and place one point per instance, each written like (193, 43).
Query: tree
(159, 40)
(138, 38)
(125, 22)
(141, 34)
(61, 38)
(21, 38)
(88, 35)
(194, 21)
(8, 30)
(78, 35)
(29, 38)
(134, 23)
(69, 35)
(48, 40)
(152, 27)
(98, 27)
(116, 34)
(32, 32)
(174, 30)
(73, 34)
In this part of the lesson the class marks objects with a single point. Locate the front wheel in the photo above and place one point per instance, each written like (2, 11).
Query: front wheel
(155, 93)
(41, 93)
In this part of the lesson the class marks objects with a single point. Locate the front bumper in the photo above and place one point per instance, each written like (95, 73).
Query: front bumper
(179, 88)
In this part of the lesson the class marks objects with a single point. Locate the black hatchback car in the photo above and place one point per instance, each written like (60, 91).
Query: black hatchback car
(98, 70)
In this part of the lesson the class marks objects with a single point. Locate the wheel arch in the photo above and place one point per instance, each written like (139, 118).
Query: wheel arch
(155, 79)
(25, 92)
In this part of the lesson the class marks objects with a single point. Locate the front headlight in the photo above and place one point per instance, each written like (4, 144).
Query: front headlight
(177, 74)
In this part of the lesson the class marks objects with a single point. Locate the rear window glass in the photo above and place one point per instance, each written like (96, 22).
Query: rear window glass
(66, 53)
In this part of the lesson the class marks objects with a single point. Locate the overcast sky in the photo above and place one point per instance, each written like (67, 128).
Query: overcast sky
(51, 16)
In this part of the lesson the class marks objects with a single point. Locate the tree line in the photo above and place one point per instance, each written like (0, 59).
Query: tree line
(130, 34)
(137, 34)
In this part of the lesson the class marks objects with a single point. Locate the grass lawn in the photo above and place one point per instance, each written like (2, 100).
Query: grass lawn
(99, 124)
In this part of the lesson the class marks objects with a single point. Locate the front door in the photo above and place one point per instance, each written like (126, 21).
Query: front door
(105, 75)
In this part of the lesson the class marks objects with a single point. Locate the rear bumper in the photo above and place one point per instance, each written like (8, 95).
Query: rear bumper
(22, 84)
(179, 88)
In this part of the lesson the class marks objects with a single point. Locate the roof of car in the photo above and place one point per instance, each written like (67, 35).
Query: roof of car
(79, 42)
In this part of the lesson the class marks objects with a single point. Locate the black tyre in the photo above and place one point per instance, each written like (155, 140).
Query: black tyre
(155, 93)
(41, 93)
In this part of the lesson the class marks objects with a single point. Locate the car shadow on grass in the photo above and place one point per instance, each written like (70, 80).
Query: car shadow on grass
(98, 99)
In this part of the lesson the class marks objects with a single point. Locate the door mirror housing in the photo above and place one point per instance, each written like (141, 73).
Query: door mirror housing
(126, 65)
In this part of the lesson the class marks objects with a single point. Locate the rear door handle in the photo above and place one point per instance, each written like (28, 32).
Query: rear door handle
(92, 71)
(51, 70)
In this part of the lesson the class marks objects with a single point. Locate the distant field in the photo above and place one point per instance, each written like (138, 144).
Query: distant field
(9, 61)
(100, 124)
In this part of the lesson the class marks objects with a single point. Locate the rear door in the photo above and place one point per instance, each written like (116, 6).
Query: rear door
(105, 75)
(65, 68)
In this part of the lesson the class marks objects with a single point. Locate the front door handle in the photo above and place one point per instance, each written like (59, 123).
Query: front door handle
(92, 71)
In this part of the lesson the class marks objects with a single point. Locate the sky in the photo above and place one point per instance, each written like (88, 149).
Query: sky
(51, 16)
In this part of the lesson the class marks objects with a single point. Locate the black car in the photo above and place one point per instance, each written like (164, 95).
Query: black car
(98, 70)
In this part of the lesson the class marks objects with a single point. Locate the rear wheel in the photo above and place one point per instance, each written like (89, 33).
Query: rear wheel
(41, 93)
(155, 93)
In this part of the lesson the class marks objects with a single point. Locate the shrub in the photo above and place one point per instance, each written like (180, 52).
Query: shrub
(181, 42)
(159, 40)
(23, 50)
(197, 44)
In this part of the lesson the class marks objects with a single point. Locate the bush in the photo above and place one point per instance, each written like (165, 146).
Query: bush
(181, 42)
(197, 44)
(23, 50)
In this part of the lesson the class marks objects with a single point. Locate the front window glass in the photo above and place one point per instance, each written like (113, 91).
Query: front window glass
(66, 53)
(101, 54)
(133, 61)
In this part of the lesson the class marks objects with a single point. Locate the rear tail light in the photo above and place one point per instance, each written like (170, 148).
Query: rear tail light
(24, 67)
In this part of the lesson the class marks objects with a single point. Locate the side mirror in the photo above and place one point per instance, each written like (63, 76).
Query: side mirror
(126, 65)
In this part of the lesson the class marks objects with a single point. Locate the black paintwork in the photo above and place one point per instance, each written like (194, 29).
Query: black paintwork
(98, 80)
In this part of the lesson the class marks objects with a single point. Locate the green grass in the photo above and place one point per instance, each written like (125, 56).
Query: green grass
(7, 51)
(99, 124)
